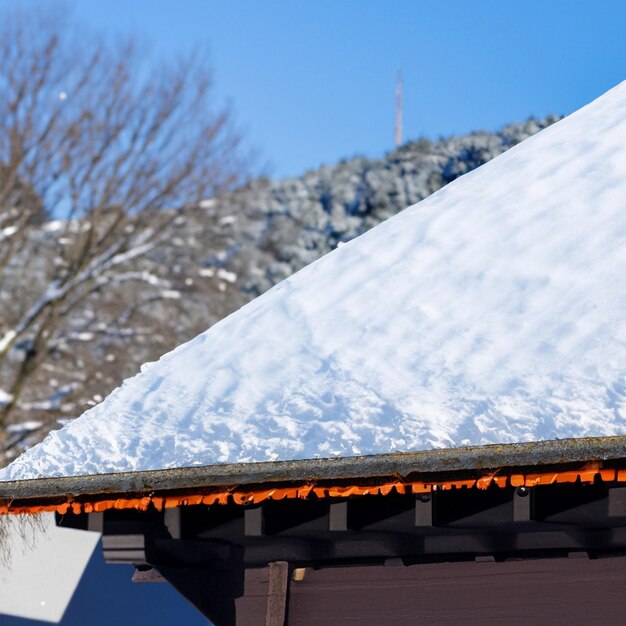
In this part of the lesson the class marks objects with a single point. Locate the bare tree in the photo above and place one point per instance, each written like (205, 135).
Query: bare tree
(100, 151)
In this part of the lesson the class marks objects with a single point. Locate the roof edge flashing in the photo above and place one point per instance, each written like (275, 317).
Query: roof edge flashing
(402, 464)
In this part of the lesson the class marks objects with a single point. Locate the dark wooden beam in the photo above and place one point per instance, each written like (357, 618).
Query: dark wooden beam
(278, 588)
(338, 517)
(423, 511)
(254, 521)
(172, 521)
(523, 505)
(124, 549)
(95, 522)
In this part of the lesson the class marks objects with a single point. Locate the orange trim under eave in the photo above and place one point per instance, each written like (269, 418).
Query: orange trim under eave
(242, 496)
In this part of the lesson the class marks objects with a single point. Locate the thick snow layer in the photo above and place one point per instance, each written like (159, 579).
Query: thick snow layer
(494, 311)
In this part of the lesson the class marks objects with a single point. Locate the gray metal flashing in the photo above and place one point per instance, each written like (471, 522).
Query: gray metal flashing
(397, 465)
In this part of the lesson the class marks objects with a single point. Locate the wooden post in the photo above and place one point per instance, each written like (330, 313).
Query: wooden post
(277, 589)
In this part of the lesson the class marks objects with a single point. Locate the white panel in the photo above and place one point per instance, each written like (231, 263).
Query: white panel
(43, 567)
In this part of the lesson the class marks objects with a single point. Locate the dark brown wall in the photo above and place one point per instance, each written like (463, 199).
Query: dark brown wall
(549, 591)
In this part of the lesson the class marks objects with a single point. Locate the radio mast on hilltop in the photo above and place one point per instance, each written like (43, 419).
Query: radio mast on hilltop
(399, 95)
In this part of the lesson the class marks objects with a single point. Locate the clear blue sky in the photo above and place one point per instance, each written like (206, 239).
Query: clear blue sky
(313, 82)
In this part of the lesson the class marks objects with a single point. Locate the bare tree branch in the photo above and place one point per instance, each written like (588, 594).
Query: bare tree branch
(112, 148)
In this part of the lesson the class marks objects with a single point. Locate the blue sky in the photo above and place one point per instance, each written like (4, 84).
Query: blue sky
(313, 82)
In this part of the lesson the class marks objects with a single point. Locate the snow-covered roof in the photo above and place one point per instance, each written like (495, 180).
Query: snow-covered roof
(492, 312)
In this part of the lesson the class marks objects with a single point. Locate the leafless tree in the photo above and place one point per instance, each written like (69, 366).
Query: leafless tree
(100, 151)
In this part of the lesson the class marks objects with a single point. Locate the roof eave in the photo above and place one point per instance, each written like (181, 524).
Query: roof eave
(397, 465)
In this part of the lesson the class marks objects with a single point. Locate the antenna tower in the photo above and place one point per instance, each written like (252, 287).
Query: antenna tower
(399, 97)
